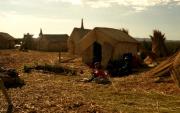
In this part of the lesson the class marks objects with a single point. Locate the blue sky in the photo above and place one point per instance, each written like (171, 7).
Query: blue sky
(140, 17)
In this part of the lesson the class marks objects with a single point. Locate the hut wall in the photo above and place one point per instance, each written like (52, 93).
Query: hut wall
(3, 44)
(52, 47)
(34, 44)
(107, 51)
(87, 56)
(64, 46)
(123, 47)
(86, 42)
(57, 46)
(6, 44)
(76, 35)
(71, 46)
(11, 44)
(73, 42)
(43, 45)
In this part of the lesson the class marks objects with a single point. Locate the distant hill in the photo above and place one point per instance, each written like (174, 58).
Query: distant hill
(172, 45)
(148, 40)
(142, 39)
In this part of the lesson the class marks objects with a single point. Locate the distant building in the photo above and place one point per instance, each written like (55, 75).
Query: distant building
(52, 42)
(76, 35)
(6, 41)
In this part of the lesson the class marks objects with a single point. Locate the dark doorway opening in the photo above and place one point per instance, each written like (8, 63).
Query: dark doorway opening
(97, 52)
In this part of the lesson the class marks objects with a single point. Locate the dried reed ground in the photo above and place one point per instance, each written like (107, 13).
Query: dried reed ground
(55, 93)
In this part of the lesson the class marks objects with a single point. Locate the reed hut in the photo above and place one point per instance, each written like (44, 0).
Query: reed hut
(76, 35)
(52, 42)
(6, 41)
(105, 44)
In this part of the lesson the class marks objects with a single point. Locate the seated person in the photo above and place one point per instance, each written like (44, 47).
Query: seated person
(98, 75)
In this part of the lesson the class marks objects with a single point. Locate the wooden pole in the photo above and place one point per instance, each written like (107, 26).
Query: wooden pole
(59, 57)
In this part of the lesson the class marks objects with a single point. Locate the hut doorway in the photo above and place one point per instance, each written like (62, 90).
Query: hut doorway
(97, 52)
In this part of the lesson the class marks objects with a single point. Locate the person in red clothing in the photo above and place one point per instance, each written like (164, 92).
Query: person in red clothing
(99, 75)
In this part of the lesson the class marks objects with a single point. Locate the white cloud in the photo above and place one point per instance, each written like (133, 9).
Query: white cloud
(98, 4)
(77, 2)
(138, 5)
(178, 2)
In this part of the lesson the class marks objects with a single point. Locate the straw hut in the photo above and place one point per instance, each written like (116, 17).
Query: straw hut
(52, 42)
(105, 44)
(76, 35)
(6, 41)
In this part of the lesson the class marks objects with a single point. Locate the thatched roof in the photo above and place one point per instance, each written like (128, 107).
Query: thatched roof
(109, 35)
(78, 33)
(55, 37)
(116, 34)
(6, 36)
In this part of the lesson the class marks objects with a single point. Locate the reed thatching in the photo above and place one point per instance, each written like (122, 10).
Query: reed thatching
(158, 44)
(124, 31)
(170, 66)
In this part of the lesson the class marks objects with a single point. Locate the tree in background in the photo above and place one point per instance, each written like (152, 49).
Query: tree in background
(147, 45)
(158, 44)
